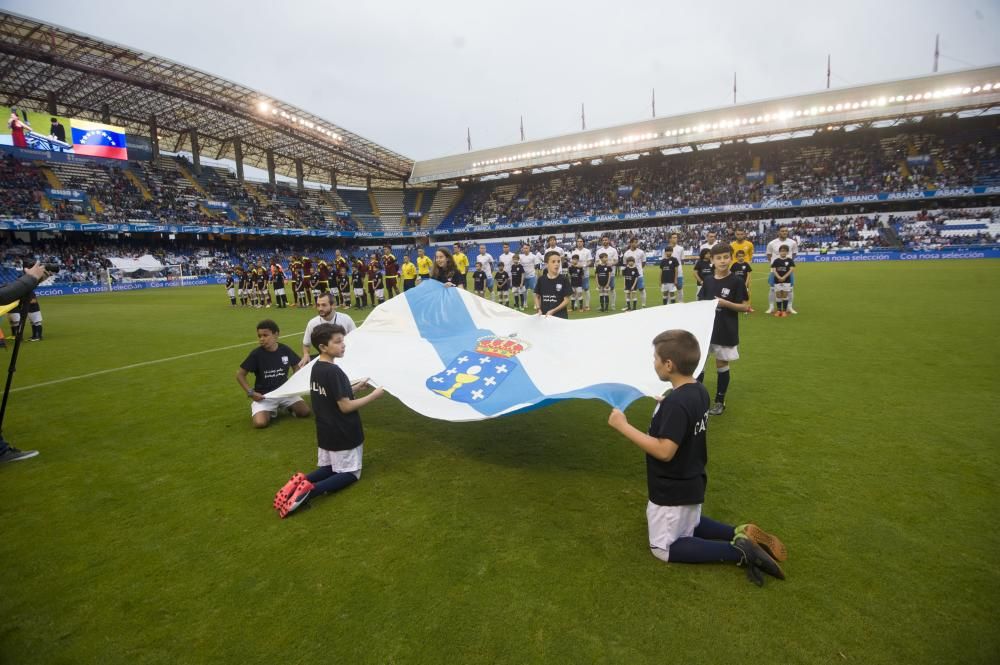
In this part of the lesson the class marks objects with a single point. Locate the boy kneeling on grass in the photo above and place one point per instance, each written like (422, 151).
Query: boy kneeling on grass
(676, 455)
(339, 434)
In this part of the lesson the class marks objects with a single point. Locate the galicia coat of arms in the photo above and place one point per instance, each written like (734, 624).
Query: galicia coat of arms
(475, 375)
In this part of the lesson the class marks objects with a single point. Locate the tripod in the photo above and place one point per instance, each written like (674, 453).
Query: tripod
(22, 310)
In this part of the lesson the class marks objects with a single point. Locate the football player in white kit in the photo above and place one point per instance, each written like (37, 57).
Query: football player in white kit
(772, 253)
(585, 260)
(678, 253)
(634, 252)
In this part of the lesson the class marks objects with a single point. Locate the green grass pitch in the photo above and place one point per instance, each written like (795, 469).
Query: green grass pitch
(863, 431)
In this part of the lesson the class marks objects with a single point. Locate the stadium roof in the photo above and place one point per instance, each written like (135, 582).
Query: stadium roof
(939, 93)
(87, 77)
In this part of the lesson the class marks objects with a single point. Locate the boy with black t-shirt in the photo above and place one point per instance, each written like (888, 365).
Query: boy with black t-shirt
(360, 297)
(479, 280)
(378, 285)
(517, 282)
(270, 364)
(741, 268)
(279, 287)
(306, 289)
(344, 286)
(231, 289)
(576, 282)
(604, 272)
(339, 435)
(703, 268)
(676, 455)
(243, 285)
(730, 295)
(631, 276)
(502, 281)
(552, 289)
(783, 268)
(669, 267)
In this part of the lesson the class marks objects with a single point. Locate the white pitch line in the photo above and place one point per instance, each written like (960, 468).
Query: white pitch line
(142, 364)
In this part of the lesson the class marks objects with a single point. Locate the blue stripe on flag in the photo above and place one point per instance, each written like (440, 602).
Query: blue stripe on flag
(443, 320)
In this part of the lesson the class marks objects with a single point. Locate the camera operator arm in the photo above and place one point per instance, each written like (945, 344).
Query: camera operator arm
(17, 289)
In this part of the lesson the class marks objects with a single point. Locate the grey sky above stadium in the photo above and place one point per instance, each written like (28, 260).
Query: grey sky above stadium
(414, 76)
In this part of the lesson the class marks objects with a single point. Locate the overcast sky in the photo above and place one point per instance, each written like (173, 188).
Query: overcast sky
(413, 75)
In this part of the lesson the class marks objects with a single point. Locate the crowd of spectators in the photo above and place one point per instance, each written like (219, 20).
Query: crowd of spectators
(21, 187)
(826, 164)
(113, 197)
(84, 259)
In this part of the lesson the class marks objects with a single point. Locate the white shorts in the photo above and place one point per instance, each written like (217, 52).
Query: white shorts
(279, 292)
(783, 287)
(668, 523)
(668, 288)
(342, 460)
(231, 293)
(724, 352)
(273, 405)
(378, 293)
(359, 292)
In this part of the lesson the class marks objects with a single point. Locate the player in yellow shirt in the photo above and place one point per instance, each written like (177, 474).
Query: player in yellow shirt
(462, 264)
(409, 272)
(424, 265)
(743, 246)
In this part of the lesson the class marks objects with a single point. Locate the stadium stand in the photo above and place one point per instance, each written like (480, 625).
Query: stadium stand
(83, 257)
(929, 155)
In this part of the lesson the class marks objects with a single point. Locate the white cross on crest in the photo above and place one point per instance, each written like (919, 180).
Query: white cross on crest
(451, 370)
(490, 381)
(501, 369)
(463, 359)
(484, 360)
(477, 394)
(437, 379)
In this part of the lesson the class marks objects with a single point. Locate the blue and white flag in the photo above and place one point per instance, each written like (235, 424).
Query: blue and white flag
(449, 354)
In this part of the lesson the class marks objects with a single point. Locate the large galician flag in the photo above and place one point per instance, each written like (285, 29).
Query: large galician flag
(449, 354)
(98, 140)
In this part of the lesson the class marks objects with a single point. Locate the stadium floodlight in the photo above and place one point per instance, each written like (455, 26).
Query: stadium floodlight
(263, 106)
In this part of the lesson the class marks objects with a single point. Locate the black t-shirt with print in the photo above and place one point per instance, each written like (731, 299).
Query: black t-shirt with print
(682, 417)
(668, 270)
(335, 430)
(551, 293)
(270, 368)
(727, 321)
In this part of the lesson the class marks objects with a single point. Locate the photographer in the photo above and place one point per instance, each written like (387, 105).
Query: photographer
(16, 290)
(24, 285)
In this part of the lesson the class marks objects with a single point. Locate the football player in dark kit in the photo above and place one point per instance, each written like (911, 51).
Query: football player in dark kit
(391, 268)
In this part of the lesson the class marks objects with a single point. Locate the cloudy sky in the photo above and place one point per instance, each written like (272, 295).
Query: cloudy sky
(413, 75)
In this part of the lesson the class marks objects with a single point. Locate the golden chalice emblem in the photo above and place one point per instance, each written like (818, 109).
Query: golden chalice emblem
(461, 379)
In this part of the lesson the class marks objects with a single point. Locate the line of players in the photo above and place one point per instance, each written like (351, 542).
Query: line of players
(369, 282)
(508, 278)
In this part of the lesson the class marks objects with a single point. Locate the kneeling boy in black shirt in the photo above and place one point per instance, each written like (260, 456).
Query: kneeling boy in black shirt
(339, 434)
(676, 455)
